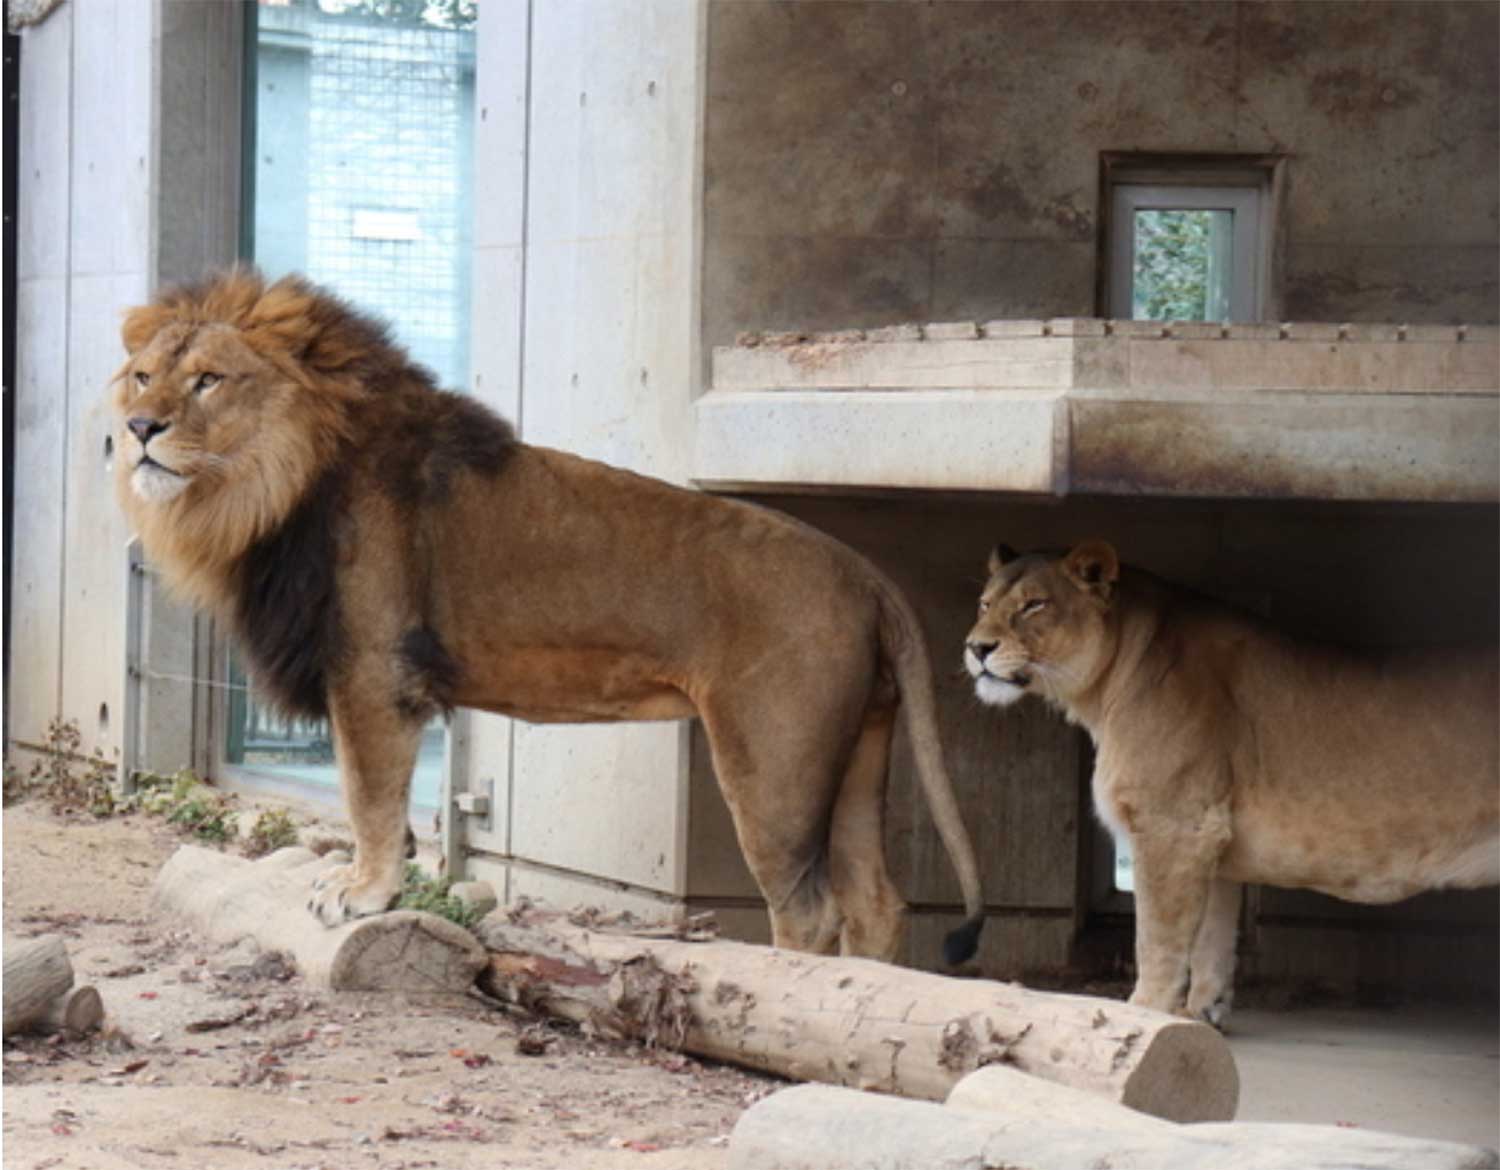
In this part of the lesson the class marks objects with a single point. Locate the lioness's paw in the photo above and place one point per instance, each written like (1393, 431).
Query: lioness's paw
(340, 895)
(1214, 1013)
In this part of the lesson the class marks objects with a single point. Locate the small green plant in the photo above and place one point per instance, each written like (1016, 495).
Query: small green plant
(205, 814)
(158, 794)
(185, 800)
(273, 829)
(420, 892)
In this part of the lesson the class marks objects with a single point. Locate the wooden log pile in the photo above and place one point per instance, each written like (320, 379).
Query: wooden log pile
(1054, 1082)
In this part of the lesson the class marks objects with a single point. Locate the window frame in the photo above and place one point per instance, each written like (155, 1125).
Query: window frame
(1242, 202)
(1212, 181)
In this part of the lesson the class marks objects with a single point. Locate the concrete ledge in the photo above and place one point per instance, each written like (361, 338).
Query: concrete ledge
(1288, 411)
(933, 439)
(1326, 447)
(1077, 353)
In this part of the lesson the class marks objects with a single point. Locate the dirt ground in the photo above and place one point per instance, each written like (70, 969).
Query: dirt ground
(212, 1059)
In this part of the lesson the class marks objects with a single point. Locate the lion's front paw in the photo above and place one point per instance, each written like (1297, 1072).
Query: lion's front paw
(341, 894)
(1215, 1012)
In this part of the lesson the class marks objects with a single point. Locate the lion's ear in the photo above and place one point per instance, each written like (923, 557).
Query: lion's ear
(1094, 567)
(1000, 556)
(141, 324)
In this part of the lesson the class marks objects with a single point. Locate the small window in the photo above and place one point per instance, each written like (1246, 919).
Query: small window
(1188, 242)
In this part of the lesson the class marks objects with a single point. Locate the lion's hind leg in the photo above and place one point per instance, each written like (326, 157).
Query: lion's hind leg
(377, 749)
(1211, 985)
(779, 773)
(873, 911)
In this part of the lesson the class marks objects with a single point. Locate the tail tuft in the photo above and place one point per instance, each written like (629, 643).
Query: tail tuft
(961, 944)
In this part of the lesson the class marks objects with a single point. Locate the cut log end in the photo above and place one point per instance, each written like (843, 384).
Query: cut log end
(405, 950)
(37, 972)
(80, 1010)
(1186, 1073)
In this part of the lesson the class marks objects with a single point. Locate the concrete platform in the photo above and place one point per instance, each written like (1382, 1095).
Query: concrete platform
(1312, 411)
(1424, 1072)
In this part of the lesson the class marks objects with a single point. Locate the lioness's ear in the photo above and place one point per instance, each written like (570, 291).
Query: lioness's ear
(141, 324)
(1093, 565)
(1000, 556)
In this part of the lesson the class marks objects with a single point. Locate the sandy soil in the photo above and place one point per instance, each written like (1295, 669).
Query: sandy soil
(212, 1059)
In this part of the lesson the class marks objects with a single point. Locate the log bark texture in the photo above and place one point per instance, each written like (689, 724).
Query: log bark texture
(228, 898)
(1032, 1125)
(855, 1022)
(36, 972)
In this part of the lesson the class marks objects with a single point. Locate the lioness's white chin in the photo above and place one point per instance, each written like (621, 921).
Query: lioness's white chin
(155, 484)
(996, 691)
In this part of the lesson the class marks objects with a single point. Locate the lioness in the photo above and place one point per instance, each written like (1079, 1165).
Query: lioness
(385, 550)
(1229, 753)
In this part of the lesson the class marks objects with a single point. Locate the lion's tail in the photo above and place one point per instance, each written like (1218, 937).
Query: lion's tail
(901, 638)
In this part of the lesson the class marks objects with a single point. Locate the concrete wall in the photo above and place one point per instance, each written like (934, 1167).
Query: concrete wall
(585, 311)
(130, 176)
(84, 234)
(876, 162)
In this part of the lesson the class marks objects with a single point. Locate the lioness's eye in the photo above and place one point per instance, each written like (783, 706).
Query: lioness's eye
(142, 379)
(206, 382)
(984, 606)
(1033, 605)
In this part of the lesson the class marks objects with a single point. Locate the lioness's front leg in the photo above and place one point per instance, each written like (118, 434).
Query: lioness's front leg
(1173, 871)
(1211, 986)
(377, 748)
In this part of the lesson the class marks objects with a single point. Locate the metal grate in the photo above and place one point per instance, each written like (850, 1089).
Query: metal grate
(383, 111)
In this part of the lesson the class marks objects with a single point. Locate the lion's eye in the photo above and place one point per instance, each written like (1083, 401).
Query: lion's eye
(206, 382)
(142, 379)
(1032, 606)
(984, 606)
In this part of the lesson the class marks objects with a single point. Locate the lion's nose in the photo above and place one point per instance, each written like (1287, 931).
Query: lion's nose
(982, 650)
(145, 429)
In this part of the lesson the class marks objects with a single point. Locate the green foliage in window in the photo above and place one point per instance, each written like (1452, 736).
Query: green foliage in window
(1173, 265)
(433, 13)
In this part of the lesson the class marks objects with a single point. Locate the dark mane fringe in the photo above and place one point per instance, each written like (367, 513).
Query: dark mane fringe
(429, 437)
(287, 613)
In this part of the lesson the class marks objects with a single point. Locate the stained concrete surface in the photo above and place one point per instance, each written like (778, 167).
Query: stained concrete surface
(1424, 1072)
(867, 163)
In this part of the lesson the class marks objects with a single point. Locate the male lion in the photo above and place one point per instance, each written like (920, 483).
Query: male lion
(1229, 753)
(384, 550)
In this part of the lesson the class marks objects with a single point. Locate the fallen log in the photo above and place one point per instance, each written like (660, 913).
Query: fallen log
(1031, 1123)
(76, 1011)
(228, 898)
(36, 972)
(853, 1022)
